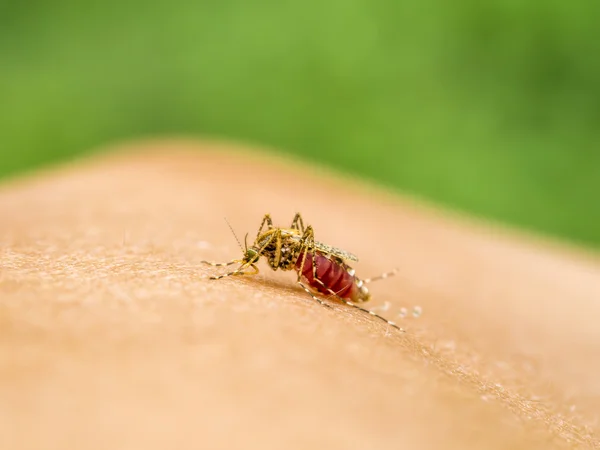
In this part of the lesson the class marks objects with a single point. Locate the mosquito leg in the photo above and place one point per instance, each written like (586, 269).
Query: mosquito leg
(266, 221)
(416, 310)
(353, 305)
(239, 271)
(305, 246)
(314, 297)
(297, 223)
(278, 243)
(216, 264)
(383, 276)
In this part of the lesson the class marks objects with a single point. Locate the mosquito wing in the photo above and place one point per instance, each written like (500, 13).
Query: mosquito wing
(327, 249)
(334, 251)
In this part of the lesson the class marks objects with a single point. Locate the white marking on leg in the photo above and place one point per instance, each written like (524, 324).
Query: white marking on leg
(382, 276)
(364, 310)
(313, 296)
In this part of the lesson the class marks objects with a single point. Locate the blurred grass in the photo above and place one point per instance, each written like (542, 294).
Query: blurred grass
(490, 107)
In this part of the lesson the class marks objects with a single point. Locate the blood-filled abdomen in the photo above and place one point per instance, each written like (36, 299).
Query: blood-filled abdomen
(333, 276)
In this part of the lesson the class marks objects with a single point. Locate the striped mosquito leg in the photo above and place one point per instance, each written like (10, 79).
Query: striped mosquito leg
(238, 271)
(297, 223)
(215, 264)
(416, 311)
(383, 276)
(307, 237)
(374, 314)
(365, 310)
(218, 277)
(266, 220)
(314, 297)
(349, 303)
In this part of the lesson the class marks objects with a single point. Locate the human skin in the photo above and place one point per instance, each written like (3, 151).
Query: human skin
(112, 335)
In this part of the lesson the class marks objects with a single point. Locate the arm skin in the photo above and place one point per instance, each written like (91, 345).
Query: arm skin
(111, 335)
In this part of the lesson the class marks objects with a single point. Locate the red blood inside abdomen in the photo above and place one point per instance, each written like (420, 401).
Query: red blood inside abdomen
(333, 276)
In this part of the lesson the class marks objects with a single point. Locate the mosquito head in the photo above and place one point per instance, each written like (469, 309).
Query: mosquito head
(251, 256)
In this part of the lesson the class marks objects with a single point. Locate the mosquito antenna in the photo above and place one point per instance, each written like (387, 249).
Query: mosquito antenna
(234, 235)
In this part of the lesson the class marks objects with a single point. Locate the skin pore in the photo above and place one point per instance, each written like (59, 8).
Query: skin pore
(113, 335)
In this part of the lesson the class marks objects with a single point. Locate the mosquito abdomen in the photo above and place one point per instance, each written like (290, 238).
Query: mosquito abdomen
(331, 276)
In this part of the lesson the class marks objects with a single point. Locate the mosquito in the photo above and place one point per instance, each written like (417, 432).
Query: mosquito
(320, 267)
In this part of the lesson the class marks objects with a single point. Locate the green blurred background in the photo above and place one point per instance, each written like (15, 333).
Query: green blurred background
(491, 107)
